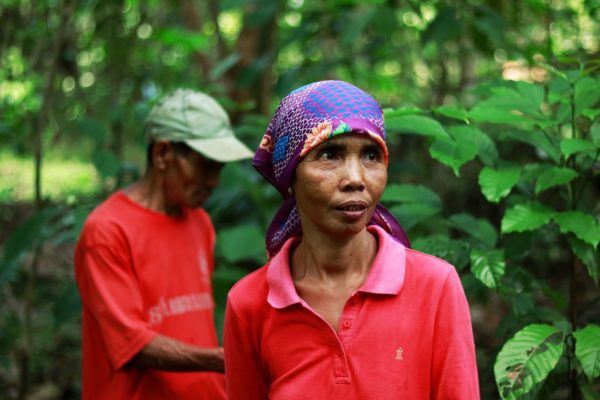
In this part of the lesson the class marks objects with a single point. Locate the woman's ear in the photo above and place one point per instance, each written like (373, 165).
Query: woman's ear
(162, 154)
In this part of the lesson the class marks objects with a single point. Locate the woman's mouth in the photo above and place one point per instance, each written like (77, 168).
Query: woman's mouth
(352, 207)
(353, 210)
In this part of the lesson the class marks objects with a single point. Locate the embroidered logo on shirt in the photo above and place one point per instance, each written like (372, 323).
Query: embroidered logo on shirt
(399, 352)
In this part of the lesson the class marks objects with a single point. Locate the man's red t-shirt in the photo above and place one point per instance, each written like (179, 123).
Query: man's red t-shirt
(142, 273)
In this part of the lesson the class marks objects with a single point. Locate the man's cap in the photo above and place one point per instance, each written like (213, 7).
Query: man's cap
(199, 121)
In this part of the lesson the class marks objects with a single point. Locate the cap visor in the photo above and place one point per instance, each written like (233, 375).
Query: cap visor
(223, 149)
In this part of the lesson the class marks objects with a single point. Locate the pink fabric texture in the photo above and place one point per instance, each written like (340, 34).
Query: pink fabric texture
(405, 334)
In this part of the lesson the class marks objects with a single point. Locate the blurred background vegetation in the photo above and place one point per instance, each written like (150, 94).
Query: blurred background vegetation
(471, 88)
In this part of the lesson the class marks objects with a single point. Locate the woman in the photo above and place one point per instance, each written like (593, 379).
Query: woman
(343, 309)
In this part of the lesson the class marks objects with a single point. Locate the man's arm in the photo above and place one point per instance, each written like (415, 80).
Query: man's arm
(169, 354)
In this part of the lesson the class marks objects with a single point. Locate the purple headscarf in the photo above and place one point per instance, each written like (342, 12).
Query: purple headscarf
(305, 118)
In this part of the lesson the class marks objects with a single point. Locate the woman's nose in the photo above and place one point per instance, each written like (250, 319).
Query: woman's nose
(353, 178)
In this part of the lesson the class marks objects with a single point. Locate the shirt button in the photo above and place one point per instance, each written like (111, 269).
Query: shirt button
(346, 324)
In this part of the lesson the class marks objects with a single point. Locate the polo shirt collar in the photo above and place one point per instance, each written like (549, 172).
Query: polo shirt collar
(385, 277)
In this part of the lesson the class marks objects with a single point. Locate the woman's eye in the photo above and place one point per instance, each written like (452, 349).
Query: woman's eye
(373, 155)
(327, 155)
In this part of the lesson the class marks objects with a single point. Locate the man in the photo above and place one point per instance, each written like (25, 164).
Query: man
(144, 262)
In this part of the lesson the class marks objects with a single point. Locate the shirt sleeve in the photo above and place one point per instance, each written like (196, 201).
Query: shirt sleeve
(110, 293)
(454, 369)
(244, 377)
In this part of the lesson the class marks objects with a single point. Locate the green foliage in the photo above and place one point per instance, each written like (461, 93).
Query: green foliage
(29, 236)
(493, 154)
(527, 359)
(488, 267)
(554, 176)
(414, 124)
(242, 242)
(526, 217)
(497, 184)
(412, 204)
(587, 350)
(543, 195)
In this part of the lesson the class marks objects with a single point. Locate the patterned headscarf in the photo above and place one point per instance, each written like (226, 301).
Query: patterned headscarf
(307, 117)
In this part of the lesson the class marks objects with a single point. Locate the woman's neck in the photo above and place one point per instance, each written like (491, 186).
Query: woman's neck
(322, 259)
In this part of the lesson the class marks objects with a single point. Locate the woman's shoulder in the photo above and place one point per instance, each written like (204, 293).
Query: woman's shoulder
(428, 265)
(251, 289)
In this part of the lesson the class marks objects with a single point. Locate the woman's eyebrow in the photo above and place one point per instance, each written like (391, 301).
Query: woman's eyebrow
(371, 146)
(332, 146)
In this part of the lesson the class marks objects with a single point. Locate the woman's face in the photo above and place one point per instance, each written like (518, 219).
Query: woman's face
(338, 184)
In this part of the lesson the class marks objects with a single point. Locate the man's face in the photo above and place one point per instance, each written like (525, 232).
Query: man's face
(190, 180)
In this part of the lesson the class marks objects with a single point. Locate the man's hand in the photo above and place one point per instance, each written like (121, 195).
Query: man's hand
(169, 354)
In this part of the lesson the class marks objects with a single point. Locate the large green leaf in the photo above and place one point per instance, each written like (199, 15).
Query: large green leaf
(454, 111)
(406, 193)
(416, 124)
(244, 242)
(535, 138)
(587, 93)
(487, 151)
(411, 214)
(453, 153)
(571, 146)
(400, 111)
(532, 95)
(521, 98)
(479, 229)
(526, 217)
(554, 176)
(587, 349)
(527, 359)
(588, 256)
(487, 113)
(591, 113)
(488, 266)
(497, 184)
(583, 225)
(505, 105)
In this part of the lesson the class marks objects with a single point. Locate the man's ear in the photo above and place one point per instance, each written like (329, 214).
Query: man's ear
(162, 154)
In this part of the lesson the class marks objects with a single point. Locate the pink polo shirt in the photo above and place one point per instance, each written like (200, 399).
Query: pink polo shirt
(405, 334)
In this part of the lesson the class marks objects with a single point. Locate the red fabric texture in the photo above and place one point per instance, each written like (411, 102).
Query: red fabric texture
(142, 273)
(405, 334)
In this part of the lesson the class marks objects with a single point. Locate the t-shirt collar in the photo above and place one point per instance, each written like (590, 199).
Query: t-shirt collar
(385, 277)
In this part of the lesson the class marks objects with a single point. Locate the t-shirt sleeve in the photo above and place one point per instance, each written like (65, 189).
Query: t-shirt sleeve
(244, 376)
(110, 293)
(454, 369)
